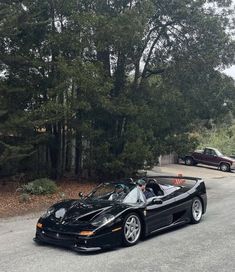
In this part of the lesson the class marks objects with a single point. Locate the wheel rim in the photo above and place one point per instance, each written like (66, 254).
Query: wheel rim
(197, 209)
(224, 167)
(188, 162)
(132, 229)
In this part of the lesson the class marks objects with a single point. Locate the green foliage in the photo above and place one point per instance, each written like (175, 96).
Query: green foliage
(24, 197)
(220, 137)
(14, 156)
(62, 195)
(40, 187)
(105, 87)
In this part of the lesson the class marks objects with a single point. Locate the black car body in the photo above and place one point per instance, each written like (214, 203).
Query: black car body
(102, 219)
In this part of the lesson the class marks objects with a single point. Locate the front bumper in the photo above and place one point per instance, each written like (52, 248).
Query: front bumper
(232, 167)
(79, 243)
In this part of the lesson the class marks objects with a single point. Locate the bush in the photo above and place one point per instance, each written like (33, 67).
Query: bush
(42, 186)
(62, 195)
(24, 198)
(221, 137)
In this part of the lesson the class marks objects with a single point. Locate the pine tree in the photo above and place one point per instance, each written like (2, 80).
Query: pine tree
(103, 87)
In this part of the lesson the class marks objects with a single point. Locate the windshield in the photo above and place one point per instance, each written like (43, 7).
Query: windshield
(218, 153)
(120, 192)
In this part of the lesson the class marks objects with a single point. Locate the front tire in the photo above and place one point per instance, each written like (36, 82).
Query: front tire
(224, 167)
(189, 161)
(196, 210)
(131, 229)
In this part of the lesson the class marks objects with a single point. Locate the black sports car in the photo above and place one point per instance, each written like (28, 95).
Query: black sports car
(116, 213)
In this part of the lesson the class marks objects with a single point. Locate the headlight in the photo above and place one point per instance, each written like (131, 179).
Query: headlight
(102, 220)
(48, 212)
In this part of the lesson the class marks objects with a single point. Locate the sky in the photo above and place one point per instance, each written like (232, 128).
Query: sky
(230, 71)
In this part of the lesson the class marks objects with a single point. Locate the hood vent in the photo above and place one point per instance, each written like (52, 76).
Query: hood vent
(77, 218)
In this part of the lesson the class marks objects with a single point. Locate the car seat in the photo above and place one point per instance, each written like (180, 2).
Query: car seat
(155, 187)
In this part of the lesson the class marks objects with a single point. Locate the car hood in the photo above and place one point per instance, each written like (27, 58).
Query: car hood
(82, 212)
(228, 158)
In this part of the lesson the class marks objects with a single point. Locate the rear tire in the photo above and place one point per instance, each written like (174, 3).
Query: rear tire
(131, 230)
(196, 210)
(224, 167)
(189, 161)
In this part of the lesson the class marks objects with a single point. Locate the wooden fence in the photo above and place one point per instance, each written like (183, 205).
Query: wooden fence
(168, 159)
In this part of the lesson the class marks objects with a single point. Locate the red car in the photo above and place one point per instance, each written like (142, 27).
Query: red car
(211, 156)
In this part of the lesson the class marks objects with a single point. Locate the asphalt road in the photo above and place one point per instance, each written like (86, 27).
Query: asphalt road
(208, 246)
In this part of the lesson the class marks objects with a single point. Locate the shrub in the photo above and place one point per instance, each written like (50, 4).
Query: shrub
(24, 198)
(42, 186)
(221, 137)
(62, 195)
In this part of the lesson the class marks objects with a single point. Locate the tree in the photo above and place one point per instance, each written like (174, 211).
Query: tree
(104, 87)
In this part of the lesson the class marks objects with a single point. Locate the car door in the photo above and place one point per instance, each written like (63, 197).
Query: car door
(215, 159)
(159, 215)
(198, 157)
(182, 204)
(210, 157)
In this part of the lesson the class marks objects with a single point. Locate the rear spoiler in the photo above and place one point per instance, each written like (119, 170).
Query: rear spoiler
(176, 180)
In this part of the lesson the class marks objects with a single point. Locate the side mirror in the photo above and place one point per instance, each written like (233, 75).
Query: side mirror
(157, 201)
(81, 195)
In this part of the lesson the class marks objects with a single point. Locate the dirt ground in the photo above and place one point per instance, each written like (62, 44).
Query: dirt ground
(12, 205)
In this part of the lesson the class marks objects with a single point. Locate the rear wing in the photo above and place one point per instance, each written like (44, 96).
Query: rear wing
(187, 182)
